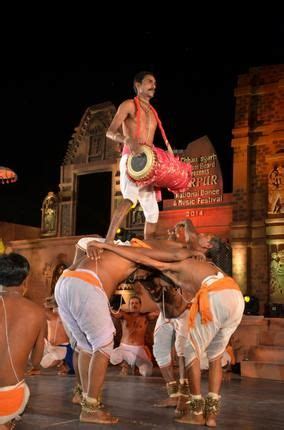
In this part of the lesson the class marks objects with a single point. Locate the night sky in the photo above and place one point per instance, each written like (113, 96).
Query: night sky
(51, 74)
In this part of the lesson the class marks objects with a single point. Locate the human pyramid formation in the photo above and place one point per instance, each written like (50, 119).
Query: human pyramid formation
(198, 302)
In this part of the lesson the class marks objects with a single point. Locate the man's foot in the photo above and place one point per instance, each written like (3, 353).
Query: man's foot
(77, 395)
(170, 402)
(212, 408)
(182, 407)
(97, 416)
(124, 370)
(191, 418)
(8, 426)
(33, 372)
(210, 420)
(76, 399)
(63, 369)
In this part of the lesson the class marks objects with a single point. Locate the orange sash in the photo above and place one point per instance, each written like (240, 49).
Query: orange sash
(201, 304)
(84, 276)
(11, 400)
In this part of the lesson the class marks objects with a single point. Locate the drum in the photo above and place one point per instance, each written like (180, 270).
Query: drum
(159, 168)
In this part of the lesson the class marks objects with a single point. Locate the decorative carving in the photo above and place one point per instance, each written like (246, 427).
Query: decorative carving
(276, 189)
(96, 141)
(49, 215)
(277, 273)
(102, 114)
(137, 217)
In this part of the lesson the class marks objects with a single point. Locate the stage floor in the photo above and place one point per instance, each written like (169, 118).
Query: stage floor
(247, 404)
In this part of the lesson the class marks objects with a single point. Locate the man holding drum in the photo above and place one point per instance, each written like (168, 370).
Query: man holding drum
(135, 123)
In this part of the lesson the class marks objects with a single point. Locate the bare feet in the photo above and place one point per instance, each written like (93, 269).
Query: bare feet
(191, 418)
(8, 426)
(77, 394)
(170, 402)
(212, 408)
(63, 369)
(182, 407)
(32, 372)
(76, 399)
(98, 416)
(210, 420)
(124, 369)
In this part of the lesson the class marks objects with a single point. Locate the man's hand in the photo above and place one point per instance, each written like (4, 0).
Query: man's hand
(94, 249)
(198, 255)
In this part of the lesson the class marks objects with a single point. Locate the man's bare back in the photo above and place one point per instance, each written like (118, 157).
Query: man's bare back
(26, 326)
(111, 269)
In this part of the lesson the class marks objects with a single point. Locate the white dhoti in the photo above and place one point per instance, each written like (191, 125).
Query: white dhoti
(227, 306)
(135, 356)
(169, 332)
(52, 353)
(84, 310)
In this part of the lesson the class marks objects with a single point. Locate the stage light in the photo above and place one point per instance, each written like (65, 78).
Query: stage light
(251, 305)
(118, 231)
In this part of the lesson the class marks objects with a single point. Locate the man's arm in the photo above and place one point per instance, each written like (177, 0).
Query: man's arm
(117, 314)
(127, 108)
(152, 315)
(122, 113)
(139, 255)
(165, 243)
(38, 348)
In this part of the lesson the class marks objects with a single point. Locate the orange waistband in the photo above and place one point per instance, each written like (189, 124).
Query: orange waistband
(11, 400)
(84, 276)
(200, 302)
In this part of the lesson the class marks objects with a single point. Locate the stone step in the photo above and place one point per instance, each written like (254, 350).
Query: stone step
(262, 370)
(267, 353)
(272, 337)
(275, 323)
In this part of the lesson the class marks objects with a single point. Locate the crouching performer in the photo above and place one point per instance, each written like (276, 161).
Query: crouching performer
(16, 342)
(132, 350)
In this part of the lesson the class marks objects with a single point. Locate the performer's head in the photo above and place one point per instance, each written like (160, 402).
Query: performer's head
(135, 304)
(14, 269)
(144, 84)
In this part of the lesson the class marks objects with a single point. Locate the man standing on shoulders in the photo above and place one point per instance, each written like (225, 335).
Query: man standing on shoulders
(22, 330)
(135, 123)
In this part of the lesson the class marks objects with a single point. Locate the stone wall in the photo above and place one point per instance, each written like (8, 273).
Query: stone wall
(258, 140)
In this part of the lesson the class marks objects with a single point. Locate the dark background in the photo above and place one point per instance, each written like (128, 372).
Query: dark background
(54, 67)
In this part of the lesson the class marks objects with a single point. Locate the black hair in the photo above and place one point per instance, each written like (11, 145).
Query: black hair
(139, 78)
(14, 269)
